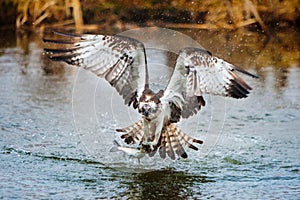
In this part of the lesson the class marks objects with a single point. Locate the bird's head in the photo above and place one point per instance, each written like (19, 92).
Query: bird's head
(150, 104)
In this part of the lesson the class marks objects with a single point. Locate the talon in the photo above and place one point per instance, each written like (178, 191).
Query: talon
(152, 147)
(149, 146)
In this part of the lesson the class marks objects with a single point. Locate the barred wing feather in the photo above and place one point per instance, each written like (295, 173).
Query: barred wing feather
(197, 72)
(118, 59)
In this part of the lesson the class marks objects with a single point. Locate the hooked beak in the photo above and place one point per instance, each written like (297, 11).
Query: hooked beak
(145, 110)
(146, 113)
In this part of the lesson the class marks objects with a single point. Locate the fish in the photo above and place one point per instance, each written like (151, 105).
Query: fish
(132, 152)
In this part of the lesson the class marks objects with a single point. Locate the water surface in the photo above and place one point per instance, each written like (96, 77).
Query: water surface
(57, 125)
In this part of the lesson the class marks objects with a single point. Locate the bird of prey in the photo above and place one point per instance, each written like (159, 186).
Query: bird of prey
(122, 62)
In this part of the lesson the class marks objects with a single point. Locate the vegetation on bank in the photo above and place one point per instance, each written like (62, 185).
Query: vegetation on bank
(213, 14)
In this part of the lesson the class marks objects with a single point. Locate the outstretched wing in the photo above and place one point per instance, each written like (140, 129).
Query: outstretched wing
(120, 60)
(197, 72)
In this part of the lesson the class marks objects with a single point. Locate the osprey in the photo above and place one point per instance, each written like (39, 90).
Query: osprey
(122, 62)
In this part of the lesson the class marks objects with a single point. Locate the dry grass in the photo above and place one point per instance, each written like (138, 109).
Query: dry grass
(213, 14)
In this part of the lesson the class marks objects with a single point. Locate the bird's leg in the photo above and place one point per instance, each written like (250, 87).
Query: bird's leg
(146, 135)
(152, 133)
(146, 141)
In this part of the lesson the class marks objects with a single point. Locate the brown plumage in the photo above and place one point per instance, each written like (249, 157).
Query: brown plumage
(122, 62)
(171, 143)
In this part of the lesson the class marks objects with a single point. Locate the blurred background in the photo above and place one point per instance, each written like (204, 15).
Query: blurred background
(213, 14)
(277, 21)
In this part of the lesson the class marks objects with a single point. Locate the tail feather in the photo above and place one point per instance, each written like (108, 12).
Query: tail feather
(175, 142)
(169, 146)
(187, 140)
(153, 152)
(171, 142)
(162, 148)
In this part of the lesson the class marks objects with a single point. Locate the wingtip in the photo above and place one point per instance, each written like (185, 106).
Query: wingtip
(57, 41)
(66, 34)
(120, 130)
(238, 88)
(198, 141)
(245, 72)
(193, 147)
(62, 41)
(184, 155)
(189, 50)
